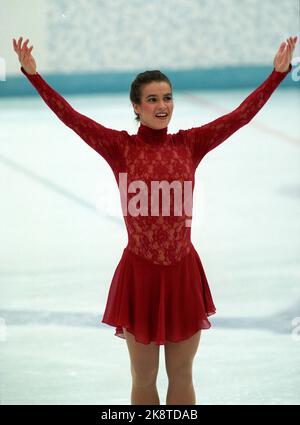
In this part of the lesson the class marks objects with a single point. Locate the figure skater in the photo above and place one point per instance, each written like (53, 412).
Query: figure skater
(159, 294)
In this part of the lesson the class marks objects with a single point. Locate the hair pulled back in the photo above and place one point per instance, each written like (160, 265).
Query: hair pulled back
(140, 81)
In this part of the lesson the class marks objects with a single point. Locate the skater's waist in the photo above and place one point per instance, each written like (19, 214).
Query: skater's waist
(160, 254)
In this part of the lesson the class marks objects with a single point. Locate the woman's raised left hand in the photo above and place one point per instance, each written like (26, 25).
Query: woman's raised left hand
(284, 55)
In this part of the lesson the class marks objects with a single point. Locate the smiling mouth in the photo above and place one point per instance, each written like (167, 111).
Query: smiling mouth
(161, 117)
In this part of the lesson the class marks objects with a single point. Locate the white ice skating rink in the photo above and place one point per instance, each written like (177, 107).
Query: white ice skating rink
(62, 235)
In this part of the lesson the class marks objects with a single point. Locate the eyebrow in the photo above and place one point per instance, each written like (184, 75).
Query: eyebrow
(154, 95)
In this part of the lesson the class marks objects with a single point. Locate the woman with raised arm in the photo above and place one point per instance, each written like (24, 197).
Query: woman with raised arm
(159, 294)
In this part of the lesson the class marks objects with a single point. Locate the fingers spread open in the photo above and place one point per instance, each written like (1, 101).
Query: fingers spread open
(22, 54)
(20, 42)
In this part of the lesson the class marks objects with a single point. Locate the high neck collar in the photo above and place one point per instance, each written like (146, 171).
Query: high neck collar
(152, 136)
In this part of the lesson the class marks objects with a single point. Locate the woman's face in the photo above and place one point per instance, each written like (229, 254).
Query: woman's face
(157, 98)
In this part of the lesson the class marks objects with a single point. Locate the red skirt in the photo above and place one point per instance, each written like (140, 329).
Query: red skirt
(158, 303)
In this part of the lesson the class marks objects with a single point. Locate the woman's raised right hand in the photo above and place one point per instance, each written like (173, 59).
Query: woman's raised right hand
(25, 57)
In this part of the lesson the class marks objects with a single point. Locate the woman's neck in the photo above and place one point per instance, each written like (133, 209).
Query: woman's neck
(152, 135)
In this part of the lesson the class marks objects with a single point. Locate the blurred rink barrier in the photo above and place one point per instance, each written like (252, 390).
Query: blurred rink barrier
(103, 44)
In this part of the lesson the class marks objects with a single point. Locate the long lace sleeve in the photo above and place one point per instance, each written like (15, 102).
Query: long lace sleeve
(107, 142)
(203, 139)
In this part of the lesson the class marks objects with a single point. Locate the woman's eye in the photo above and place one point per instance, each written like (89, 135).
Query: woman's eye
(167, 98)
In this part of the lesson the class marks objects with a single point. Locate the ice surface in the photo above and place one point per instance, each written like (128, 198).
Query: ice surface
(62, 235)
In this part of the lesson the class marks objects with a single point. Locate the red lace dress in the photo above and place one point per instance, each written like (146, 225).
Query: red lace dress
(159, 291)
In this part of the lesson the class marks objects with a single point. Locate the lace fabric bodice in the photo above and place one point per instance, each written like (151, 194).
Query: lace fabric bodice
(163, 238)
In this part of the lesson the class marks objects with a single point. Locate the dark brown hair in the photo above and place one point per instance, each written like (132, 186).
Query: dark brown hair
(140, 81)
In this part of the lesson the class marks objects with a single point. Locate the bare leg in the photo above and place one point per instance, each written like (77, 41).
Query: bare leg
(179, 365)
(144, 363)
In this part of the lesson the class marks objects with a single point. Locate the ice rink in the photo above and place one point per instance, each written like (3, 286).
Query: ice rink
(62, 235)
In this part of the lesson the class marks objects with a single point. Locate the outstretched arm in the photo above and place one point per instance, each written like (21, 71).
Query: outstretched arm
(205, 138)
(107, 142)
